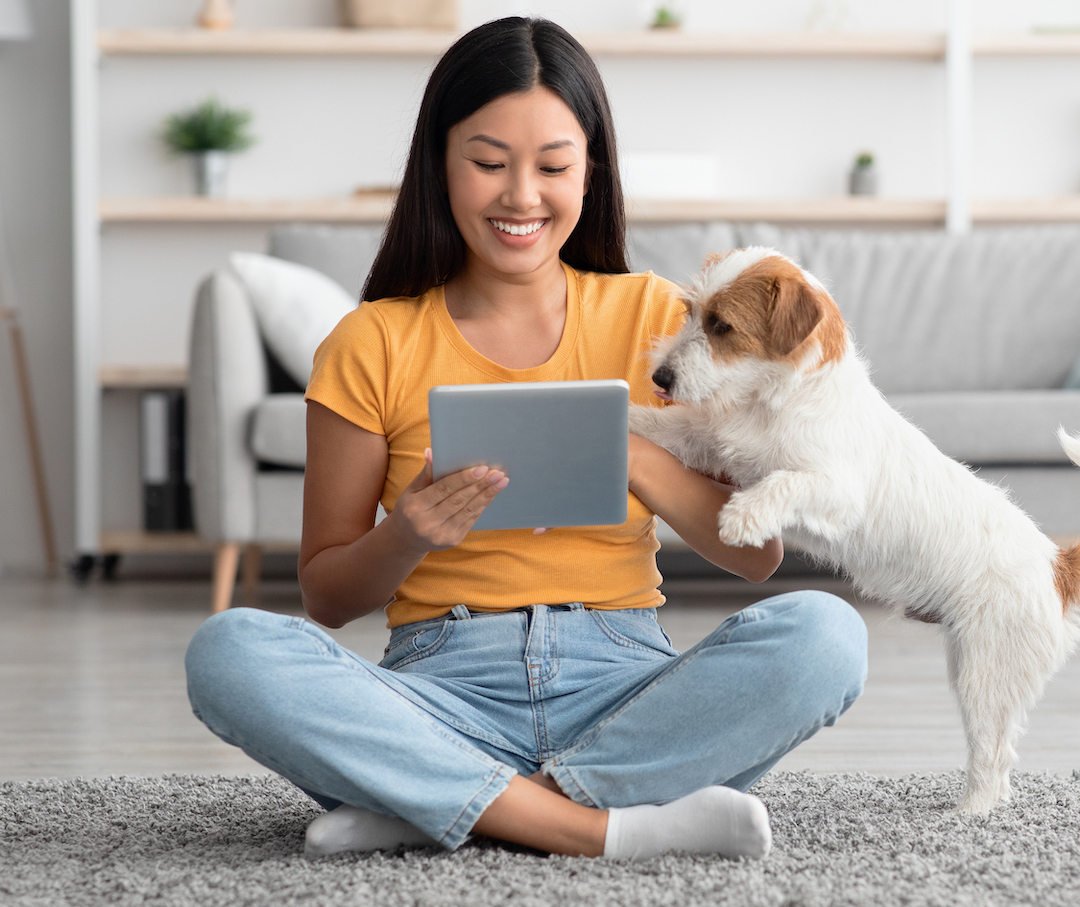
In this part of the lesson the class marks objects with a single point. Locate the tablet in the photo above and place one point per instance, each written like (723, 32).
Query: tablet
(562, 443)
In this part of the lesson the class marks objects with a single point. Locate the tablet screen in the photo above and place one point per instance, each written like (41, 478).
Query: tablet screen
(562, 443)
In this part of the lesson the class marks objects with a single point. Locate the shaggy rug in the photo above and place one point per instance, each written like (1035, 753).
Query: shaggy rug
(839, 839)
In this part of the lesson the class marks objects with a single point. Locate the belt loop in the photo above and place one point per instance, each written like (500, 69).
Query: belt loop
(576, 606)
(460, 612)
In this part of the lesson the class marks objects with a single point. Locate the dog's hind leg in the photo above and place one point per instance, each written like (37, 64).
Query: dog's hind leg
(996, 674)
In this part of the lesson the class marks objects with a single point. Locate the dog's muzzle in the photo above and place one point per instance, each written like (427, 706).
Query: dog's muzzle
(664, 378)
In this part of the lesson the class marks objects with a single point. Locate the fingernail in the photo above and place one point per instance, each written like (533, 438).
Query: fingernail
(479, 471)
(495, 475)
(502, 483)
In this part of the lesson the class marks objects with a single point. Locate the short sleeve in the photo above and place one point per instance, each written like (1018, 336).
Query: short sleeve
(349, 376)
(666, 309)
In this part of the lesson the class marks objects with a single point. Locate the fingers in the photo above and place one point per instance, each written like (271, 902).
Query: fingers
(441, 513)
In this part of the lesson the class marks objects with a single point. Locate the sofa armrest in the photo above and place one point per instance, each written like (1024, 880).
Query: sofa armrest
(227, 378)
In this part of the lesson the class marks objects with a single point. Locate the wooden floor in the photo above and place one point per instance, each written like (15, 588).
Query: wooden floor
(92, 683)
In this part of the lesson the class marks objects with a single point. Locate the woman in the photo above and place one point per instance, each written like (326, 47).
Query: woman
(527, 692)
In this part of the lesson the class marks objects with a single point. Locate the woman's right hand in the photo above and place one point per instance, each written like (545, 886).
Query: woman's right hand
(433, 516)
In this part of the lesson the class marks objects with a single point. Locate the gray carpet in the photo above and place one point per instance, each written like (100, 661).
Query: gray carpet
(839, 839)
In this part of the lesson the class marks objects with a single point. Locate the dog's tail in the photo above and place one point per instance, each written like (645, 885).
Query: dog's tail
(1070, 444)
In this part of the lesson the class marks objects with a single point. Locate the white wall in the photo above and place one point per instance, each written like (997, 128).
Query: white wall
(35, 191)
(775, 129)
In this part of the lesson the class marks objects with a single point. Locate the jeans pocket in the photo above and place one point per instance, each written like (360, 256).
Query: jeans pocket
(425, 640)
(634, 629)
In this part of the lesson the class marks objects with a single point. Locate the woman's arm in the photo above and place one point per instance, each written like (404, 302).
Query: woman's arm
(689, 503)
(350, 567)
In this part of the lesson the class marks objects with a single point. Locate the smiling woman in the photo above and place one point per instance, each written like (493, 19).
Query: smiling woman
(528, 692)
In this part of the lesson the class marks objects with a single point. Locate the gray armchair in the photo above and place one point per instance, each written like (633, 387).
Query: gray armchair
(246, 416)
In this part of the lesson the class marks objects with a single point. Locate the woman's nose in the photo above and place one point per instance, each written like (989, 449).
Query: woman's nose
(522, 191)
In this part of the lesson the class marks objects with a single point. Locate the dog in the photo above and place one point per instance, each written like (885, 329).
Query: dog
(773, 395)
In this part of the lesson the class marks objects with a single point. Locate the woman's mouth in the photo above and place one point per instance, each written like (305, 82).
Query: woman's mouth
(513, 229)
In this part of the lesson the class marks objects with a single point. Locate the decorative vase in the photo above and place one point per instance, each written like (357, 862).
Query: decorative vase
(433, 14)
(211, 171)
(216, 15)
(863, 180)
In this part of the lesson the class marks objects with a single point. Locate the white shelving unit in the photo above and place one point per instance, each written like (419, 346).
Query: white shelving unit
(955, 52)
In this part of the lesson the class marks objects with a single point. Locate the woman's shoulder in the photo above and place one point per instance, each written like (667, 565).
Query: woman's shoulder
(391, 314)
(644, 290)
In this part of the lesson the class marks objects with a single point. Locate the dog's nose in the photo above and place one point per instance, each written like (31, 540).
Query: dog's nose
(664, 377)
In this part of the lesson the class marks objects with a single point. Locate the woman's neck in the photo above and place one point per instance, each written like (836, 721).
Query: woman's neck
(516, 322)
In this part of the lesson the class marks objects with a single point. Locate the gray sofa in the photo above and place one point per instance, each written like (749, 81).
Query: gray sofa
(973, 338)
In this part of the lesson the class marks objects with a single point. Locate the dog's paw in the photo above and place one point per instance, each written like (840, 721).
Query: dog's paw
(741, 526)
(643, 420)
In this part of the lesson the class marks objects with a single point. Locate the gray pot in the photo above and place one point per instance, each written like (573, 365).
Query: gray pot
(863, 181)
(211, 170)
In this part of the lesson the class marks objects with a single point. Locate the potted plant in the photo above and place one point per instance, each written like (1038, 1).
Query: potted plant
(666, 16)
(863, 177)
(209, 132)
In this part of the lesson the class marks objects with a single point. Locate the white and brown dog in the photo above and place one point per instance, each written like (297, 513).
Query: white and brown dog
(775, 396)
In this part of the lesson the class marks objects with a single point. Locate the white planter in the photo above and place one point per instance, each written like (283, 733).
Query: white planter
(863, 181)
(211, 172)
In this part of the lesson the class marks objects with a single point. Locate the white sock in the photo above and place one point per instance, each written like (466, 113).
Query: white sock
(350, 828)
(715, 819)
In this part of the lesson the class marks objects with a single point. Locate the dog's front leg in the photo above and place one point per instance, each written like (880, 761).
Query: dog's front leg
(785, 498)
(678, 432)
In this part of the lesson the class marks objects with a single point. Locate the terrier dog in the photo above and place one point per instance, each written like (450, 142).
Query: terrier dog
(774, 396)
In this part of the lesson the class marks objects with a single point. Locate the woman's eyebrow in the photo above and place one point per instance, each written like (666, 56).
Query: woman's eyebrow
(550, 146)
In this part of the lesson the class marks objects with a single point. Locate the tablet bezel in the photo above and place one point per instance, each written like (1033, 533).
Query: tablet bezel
(564, 445)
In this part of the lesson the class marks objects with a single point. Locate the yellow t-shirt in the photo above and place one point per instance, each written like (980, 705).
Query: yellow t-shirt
(376, 368)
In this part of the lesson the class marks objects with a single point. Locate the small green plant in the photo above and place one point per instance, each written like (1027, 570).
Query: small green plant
(864, 160)
(209, 127)
(666, 17)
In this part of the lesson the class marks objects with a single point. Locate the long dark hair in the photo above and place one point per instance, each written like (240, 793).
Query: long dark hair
(422, 246)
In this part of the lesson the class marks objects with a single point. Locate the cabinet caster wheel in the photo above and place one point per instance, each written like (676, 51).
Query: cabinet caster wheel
(81, 568)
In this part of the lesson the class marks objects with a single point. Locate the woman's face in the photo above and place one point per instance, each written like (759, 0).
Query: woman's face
(516, 175)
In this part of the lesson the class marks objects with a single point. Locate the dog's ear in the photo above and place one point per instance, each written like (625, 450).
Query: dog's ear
(796, 311)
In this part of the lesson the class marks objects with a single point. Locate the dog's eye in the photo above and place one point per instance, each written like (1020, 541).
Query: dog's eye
(715, 325)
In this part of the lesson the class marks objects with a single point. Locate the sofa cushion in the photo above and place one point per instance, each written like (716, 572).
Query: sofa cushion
(296, 307)
(998, 427)
(343, 253)
(278, 432)
(996, 309)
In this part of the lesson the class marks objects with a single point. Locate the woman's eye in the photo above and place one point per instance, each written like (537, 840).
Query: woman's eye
(488, 168)
(555, 170)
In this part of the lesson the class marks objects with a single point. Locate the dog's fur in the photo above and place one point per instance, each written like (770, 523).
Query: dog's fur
(774, 396)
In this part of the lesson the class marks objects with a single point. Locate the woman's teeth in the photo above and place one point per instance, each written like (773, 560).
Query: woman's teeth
(517, 229)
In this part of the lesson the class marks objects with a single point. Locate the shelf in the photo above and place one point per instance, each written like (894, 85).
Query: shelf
(1026, 210)
(842, 209)
(139, 377)
(138, 541)
(1033, 45)
(277, 42)
(373, 206)
(118, 541)
(409, 42)
(645, 43)
(376, 207)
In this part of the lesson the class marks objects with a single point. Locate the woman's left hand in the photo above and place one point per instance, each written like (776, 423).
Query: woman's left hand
(689, 503)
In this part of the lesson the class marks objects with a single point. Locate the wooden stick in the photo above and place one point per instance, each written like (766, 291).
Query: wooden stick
(225, 562)
(22, 373)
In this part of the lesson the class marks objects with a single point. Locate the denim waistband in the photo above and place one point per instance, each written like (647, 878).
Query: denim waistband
(462, 612)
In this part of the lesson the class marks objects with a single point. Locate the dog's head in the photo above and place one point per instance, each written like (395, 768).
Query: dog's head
(754, 320)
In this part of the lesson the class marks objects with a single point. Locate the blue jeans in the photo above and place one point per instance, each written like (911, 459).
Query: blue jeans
(597, 700)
